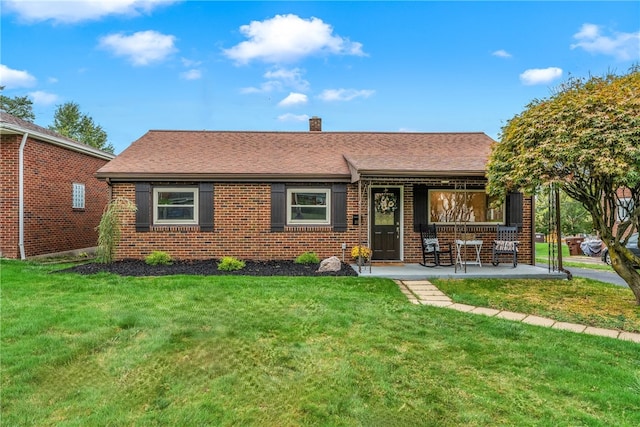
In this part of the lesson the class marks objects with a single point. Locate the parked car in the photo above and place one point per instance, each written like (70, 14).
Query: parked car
(632, 245)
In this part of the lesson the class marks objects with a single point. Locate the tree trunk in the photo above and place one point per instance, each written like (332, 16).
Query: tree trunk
(624, 268)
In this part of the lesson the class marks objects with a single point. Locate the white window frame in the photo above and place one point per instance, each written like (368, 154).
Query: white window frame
(290, 206)
(156, 205)
(77, 196)
(449, 190)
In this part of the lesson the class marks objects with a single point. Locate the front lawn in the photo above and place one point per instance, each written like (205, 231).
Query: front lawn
(580, 300)
(282, 351)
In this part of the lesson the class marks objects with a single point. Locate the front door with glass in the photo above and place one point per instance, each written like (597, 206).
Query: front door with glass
(385, 223)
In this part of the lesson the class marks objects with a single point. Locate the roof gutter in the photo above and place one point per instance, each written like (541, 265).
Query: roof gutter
(21, 196)
(220, 177)
(75, 146)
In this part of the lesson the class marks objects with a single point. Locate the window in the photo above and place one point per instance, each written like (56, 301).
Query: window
(625, 207)
(77, 196)
(450, 206)
(308, 206)
(174, 205)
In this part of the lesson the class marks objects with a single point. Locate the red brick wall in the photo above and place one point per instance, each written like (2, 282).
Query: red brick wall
(9, 145)
(242, 229)
(51, 224)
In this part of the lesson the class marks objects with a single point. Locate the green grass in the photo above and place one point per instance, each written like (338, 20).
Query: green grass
(280, 351)
(542, 256)
(585, 301)
(542, 250)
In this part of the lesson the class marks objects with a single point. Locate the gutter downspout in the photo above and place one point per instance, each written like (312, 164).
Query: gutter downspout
(21, 196)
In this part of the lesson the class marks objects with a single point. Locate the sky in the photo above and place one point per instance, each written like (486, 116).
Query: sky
(385, 66)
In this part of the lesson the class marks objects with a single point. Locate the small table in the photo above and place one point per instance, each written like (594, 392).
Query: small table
(477, 244)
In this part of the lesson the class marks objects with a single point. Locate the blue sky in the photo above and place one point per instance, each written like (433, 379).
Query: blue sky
(362, 66)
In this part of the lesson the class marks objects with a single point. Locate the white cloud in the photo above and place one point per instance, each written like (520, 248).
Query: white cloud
(13, 79)
(280, 79)
(288, 38)
(191, 75)
(623, 46)
(141, 48)
(536, 76)
(250, 90)
(289, 117)
(43, 98)
(70, 12)
(190, 62)
(291, 78)
(293, 99)
(501, 53)
(344, 94)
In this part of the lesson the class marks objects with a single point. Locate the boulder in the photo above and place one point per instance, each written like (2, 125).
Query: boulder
(330, 264)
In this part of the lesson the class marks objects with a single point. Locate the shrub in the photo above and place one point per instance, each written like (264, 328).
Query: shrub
(109, 228)
(308, 258)
(158, 258)
(230, 263)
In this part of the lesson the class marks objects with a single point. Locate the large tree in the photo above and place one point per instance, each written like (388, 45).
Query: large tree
(70, 122)
(586, 138)
(19, 106)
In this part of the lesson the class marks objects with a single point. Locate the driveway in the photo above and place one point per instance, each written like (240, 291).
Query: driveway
(603, 276)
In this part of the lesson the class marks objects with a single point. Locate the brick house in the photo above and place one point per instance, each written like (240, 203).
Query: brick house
(50, 199)
(275, 195)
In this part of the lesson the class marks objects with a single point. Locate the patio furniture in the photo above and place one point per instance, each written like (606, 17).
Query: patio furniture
(460, 246)
(432, 248)
(506, 243)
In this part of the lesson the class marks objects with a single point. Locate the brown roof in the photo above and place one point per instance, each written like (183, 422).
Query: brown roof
(12, 125)
(298, 155)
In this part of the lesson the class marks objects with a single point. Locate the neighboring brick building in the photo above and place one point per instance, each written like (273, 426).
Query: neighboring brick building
(626, 205)
(275, 195)
(50, 199)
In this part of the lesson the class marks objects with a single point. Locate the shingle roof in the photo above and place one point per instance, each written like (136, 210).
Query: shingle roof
(298, 155)
(10, 124)
(28, 126)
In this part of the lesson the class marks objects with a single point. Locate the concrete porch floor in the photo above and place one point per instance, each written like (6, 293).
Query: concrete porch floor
(402, 271)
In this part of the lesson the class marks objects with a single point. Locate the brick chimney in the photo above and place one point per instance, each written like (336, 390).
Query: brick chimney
(315, 124)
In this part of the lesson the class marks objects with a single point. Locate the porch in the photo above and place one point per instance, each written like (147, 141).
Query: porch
(402, 271)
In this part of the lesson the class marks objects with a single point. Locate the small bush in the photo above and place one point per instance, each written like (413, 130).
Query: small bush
(158, 258)
(308, 258)
(230, 263)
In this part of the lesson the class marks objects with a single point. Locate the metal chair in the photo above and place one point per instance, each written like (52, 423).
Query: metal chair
(432, 248)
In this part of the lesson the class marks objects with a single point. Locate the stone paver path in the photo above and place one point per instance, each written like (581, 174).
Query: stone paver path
(425, 293)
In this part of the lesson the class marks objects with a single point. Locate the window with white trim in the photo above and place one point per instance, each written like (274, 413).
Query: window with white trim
(175, 205)
(77, 196)
(308, 206)
(625, 207)
(473, 206)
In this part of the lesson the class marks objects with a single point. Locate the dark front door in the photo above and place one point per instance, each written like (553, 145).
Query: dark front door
(385, 223)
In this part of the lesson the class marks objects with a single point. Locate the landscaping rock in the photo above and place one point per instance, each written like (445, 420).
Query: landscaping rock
(330, 264)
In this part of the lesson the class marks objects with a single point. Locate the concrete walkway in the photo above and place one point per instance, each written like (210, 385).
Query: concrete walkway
(425, 293)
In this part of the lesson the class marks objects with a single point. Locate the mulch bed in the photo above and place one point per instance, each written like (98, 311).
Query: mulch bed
(209, 267)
